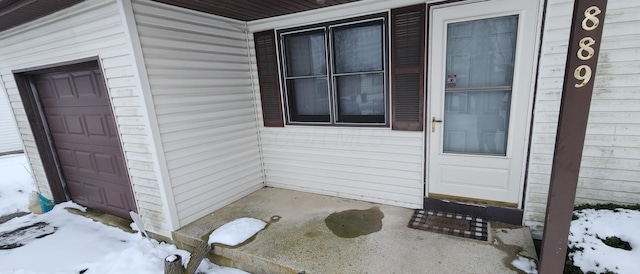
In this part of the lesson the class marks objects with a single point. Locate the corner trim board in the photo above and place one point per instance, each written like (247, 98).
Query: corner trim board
(151, 123)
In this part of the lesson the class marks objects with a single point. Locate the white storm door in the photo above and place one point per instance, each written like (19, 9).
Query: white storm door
(482, 60)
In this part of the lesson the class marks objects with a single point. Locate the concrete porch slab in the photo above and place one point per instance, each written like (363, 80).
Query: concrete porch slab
(299, 241)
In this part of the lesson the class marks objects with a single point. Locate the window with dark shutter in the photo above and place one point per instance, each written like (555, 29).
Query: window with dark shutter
(335, 73)
(407, 67)
(268, 77)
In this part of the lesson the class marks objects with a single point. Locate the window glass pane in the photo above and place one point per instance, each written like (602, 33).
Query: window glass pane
(308, 96)
(476, 122)
(305, 54)
(360, 94)
(358, 49)
(481, 53)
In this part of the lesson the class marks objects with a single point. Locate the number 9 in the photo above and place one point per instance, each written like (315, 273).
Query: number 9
(582, 73)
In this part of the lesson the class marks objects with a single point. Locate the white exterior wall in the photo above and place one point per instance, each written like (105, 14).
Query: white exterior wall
(9, 136)
(91, 28)
(610, 170)
(199, 74)
(372, 164)
(377, 165)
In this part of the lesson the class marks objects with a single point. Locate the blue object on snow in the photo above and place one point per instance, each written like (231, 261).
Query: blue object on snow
(45, 204)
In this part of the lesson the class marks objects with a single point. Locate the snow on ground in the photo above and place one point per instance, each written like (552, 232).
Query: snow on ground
(526, 265)
(78, 243)
(593, 226)
(236, 232)
(15, 185)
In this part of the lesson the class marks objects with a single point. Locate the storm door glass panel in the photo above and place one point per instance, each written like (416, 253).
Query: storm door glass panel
(479, 70)
(306, 76)
(358, 57)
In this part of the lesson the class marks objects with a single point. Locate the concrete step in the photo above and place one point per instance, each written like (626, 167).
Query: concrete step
(228, 256)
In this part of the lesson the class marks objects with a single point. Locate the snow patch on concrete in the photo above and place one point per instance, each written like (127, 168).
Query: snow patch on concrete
(236, 232)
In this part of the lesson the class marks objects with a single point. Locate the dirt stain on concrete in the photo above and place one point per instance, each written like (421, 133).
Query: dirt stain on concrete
(354, 223)
(312, 234)
(511, 251)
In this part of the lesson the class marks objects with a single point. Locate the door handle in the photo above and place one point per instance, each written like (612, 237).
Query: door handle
(433, 123)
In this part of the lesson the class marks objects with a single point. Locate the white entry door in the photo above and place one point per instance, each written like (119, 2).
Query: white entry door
(480, 88)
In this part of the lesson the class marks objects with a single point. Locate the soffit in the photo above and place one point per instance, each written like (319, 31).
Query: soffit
(17, 12)
(249, 10)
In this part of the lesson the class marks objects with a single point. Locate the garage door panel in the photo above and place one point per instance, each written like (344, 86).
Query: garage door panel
(74, 124)
(72, 89)
(94, 195)
(84, 165)
(84, 134)
(85, 85)
(62, 87)
(106, 164)
(111, 127)
(77, 191)
(85, 161)
(45, 90)
(66, 157)
(96, 167)
(56, 124)
(97, 180)
(116, 199)
(96, 125)
(84, 125)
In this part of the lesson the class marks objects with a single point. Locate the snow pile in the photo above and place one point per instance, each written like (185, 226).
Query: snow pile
(171, 258)
(80, 243)
(15, 184)
(236, 232)
(594, 226)
(526, 265)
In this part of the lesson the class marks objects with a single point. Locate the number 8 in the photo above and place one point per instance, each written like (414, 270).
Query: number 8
(582, 73)
(585, 48)
(590, 16)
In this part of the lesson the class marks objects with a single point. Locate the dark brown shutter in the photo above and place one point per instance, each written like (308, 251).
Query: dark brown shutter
(407, 67)
(268, 77)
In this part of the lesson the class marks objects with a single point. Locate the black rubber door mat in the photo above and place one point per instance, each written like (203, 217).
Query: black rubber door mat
(450, 223)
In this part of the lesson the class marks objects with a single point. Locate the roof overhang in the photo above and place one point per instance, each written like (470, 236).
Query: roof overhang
(17, 12)
(249, 10)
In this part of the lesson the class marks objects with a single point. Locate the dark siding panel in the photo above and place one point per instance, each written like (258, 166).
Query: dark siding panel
(407, 67)
(269, 80)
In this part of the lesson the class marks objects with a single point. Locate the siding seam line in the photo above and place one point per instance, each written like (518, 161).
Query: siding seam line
(255, 105)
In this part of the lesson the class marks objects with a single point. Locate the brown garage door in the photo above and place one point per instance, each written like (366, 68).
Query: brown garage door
(82, 127)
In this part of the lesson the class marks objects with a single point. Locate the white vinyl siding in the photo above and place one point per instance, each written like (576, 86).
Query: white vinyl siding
(610, 164)
(9, 136)
(199, 73)
(365, 163)
(91, 28)
(376, 165)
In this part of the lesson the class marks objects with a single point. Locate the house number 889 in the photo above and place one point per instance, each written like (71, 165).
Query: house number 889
(585, 52)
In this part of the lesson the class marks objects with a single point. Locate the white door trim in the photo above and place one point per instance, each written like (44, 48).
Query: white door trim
(528, 32)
